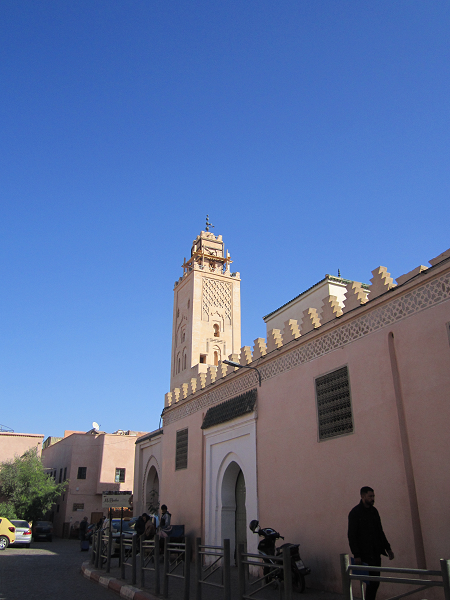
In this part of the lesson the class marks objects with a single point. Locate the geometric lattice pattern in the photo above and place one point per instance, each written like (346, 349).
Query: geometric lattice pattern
(216, 294)
(333, 404)
(181, 455)
(399, 308)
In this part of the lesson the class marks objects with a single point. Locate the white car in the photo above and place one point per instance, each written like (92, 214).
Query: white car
(23, 533)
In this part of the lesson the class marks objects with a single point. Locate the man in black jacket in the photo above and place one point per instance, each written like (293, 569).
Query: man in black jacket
(366, 537)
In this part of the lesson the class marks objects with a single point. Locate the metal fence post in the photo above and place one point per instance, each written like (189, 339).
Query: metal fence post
(165, 592)
(445, 570)
(108, 552)
(92, 560)
(198, 569)
(122, 558)
(156, 559)
(187, 567)
(141, 558)
(241, 571)
(227, 570)
(346, 581)
(133, 559)
(287, 573)
(99, 548)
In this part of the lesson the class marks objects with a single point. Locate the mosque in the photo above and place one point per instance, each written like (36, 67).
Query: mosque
(350, 387)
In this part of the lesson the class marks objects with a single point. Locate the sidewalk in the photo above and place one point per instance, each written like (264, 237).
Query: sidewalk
(114, 582)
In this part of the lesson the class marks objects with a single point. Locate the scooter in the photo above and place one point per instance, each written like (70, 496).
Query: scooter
(267, 549)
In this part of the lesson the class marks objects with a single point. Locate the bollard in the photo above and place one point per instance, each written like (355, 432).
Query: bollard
(198, 569)
(226, 570)
(165, 592)
(133, 559)
(346, 581)
(241, 571)
(141, 570)
(156, 559)
(445, 570)
(187, 567)
(287, 573)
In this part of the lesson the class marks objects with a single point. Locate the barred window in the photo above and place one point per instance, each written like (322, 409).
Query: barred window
(81, 472)
(334, 406)
(78, 506)
(181, 457)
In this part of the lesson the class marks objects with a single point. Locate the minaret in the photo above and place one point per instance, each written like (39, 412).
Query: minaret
(206, 310)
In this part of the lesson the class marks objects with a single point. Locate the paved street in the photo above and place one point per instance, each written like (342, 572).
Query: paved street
(48, 570)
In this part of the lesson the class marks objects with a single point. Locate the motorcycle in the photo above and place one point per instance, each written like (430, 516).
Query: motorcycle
(267, 549)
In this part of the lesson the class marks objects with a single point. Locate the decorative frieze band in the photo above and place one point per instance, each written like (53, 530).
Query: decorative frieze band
(399, 308)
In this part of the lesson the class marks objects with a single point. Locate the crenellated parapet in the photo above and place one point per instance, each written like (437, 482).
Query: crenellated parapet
(260, 348)
(274, 340)
(291, 331)
(246, 356)
(357, 295)
(381, 282)
(310, 321)
(331, 309)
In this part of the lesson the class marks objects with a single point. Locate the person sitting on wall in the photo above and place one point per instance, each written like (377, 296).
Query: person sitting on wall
(150, 529)
(140, 525)
(165, 518)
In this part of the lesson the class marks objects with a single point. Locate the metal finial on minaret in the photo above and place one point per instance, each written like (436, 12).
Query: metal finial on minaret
(208, 223)
(339, 272)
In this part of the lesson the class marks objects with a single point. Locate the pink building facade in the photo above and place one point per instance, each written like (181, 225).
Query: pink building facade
(353, 393)
(91, 463)
(15, 444)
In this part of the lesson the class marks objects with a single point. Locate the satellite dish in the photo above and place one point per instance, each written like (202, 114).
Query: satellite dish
(95, 425)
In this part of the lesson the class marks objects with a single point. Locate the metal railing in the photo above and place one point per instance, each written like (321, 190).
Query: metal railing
(149, 553)
(176, 554)
(128, 557)
(221, 562)
(277, 568)
(350, 572)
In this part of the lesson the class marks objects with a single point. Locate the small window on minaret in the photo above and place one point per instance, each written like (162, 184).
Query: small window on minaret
(178, 364)
(184, 360)
(203, 359)
(216, 330)
(189, 303)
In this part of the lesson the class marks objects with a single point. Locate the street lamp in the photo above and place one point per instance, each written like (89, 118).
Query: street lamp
(239, 366)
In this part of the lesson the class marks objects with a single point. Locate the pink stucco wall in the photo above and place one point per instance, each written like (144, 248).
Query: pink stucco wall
(400, 379)
(15, 444)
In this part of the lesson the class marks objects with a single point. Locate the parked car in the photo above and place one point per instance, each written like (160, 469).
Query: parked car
(42, 529)
(127, 532)
(7, 533)
(23, 533)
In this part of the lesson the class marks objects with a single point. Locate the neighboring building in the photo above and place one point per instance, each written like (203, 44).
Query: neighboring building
(15, 444)
(91, 462)
(355, 391)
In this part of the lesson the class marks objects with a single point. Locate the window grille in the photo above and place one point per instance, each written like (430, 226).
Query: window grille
(120, 476)
(78, 506)
(81, 472)
(181, 457)
(334, 404)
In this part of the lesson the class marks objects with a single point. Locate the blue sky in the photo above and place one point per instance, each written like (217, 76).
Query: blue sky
(314, 133)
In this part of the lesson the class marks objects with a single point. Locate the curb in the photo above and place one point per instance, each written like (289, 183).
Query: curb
(116, 585)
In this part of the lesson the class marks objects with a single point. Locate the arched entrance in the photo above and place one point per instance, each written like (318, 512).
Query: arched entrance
(234, 513)
(151, 504)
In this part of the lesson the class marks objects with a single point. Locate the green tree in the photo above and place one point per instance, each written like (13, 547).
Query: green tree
(26, 487)
(7, 510)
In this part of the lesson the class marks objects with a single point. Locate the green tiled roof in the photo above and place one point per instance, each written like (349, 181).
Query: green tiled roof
(230, 409)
